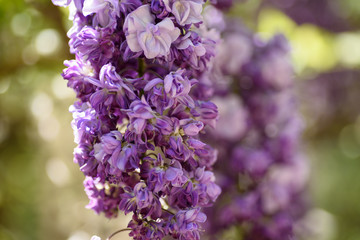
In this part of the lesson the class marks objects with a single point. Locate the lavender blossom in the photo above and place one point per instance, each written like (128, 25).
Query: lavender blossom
(105, 11)
(261, 170)
(136, 121)
(185, 11)
(143, 35)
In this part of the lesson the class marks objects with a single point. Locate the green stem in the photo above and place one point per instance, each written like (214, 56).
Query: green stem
(141, 66)
(168, 211)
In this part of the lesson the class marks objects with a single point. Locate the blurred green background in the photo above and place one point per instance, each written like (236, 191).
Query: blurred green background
(41, 192)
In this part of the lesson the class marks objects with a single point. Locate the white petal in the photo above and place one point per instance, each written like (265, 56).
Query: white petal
(93, 6)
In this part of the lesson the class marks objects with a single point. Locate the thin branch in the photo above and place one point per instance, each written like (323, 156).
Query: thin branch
(117, 232)
(167, 211)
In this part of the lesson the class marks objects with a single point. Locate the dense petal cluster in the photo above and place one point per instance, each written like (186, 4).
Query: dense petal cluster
(136, 122)
(261, 170)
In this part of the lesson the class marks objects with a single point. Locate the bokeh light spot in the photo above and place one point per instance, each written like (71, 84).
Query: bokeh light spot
(272, 21)
(79, 235)
(4, 85)
(348, 142)
(325, 225)
(29, 55)
(348, 48)
(41, 106)
(57, 172)
(312, 48)
(20, 24)
(60, 89)
(48, 128)
(47, 42)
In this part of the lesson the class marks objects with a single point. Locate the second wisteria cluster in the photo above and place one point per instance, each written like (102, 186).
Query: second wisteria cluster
(147, 75)
(135, 121)
(261, 168)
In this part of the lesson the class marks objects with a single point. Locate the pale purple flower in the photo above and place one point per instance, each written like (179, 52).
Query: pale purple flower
(207, 178)
(143, 196)
(192, 49)
(253, 162)
(110, 143)
(231, 63)
(207, 154)
(101, 101)
(187, 223)
(79, 22)
(185, 11)
(110, 80)
(175, 175)
(186, 42)
(193, 128)
(141, 200)
(105, 11)
(177, 86)
(184, 197)
(128, 158)
(76, 74)
(142, 34)
(233, 117)
(166, 125)
(156, 180)
(178, 149)
(214, 18)
(94, 45)
(207, 112)
(276, 70)
(140, 112)
(158, 7)
(102, 198)
(61, 3)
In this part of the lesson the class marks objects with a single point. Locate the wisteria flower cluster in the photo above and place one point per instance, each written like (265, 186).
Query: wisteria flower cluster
(136, 121)
(261, 169)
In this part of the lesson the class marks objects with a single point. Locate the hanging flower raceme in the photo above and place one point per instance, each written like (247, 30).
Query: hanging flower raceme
(261, 169)
(135, 122)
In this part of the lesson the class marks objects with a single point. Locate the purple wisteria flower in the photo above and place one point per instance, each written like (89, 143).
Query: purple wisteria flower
(137, 121)
(261, 169)
(106, 11)
(185, 11)
(142, 34)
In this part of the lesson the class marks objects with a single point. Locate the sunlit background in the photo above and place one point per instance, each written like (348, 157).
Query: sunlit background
(41, 192)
